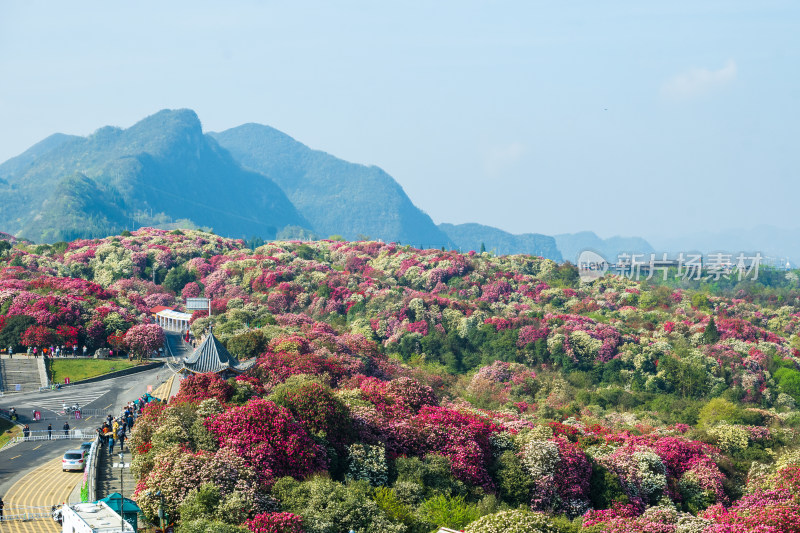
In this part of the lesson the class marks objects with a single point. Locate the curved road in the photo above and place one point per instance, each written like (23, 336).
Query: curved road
(40, 461)
(36, 493)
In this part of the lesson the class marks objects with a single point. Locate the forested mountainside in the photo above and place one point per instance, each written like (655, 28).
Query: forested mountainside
(337, 197)
(162, 169)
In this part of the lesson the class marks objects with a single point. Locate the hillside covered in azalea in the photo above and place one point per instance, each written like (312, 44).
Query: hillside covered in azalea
(398, 389)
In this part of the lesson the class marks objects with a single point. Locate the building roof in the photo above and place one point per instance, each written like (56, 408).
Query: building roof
(211, 356)
(97, 516)
(113, 500)
(175, 315)
(157, 309)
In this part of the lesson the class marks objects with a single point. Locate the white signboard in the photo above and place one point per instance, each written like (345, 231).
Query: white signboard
(194, 304)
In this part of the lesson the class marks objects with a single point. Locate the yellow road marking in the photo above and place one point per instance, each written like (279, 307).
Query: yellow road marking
(163, 390)
(39, 446)
(107, 406)
(14, 457)
(43, 487)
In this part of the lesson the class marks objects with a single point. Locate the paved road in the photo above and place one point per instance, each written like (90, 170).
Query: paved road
(108, 395)
(36, 493)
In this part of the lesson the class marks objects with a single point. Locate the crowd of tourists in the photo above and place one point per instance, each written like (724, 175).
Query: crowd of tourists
(115, 430)
(51, 351)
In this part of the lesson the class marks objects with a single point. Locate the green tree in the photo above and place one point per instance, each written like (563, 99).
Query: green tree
(5, 246)
(514, 484)
(719, 410)
(177, 278)
(688, 377)
(248, 344)
(711, 334)
(15, 326)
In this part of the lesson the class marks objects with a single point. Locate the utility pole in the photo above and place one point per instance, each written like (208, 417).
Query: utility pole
(161, 511)
(121, 495)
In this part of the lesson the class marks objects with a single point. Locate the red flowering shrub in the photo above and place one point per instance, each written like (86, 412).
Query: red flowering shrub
(144, 339)
(572, 473)
(463, 438)
(269, 439)
(275, 523)
(39, 336)
(199, 387)
(775, 511)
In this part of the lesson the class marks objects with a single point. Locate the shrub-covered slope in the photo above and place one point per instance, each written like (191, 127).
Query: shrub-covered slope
(400, 389)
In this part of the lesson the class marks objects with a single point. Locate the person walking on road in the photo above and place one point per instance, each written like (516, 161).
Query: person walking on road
(66, 429)
(49, 431)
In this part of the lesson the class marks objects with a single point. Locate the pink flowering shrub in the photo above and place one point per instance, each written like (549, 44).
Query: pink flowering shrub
(275, 523)
(144, 339)
(776, 511)
(461, 437)
(269, 439)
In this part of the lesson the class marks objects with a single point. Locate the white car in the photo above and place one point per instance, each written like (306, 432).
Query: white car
(73, 460)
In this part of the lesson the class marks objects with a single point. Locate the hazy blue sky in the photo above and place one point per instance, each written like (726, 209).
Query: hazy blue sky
(620, 117)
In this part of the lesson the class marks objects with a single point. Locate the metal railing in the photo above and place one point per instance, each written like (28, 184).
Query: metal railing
(24, 514)
(90, 472)
(56, 434)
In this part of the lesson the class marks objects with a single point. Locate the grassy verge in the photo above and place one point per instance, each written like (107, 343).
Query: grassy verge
(78, 369)
(7, 431)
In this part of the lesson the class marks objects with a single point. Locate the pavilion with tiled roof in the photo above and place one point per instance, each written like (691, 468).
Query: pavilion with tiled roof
(212, 356)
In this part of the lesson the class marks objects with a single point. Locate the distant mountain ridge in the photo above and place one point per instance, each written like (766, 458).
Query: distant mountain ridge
(251, 180)
(335, 196)
(572, 244)
(776, 245)
(163, 165)
(471, 236)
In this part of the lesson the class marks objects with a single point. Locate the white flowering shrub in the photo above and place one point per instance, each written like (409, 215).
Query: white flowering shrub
(652, 473)
(209, 407)
(730, 438)
(516, 521)
(368, 463)
(688, 523)
(539, 457)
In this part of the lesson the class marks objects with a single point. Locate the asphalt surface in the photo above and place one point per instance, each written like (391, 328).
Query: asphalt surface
(107, 396)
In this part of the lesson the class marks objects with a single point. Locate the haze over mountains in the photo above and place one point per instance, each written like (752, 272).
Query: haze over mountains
(335, 196)
(251, 180)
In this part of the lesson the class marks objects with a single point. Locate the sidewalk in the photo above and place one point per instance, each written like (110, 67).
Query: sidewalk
(108, 477)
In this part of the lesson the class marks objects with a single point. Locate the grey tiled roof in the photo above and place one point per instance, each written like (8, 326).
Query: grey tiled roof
(211, 356)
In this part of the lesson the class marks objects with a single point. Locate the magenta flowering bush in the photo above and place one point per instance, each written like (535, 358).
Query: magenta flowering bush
(269, 439)
(144, 339)
(463, 438)
(198, 387)
(275, 523)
